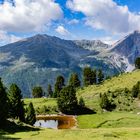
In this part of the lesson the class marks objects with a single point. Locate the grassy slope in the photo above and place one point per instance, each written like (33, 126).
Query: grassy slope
(109, 120)
(90, 93)
(107, 126)
(80, 134)
(40, 103)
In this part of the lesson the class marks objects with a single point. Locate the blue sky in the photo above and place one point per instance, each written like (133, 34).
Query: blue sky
(106, 20)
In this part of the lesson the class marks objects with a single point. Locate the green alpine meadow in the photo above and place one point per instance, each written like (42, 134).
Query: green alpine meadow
(69, 70)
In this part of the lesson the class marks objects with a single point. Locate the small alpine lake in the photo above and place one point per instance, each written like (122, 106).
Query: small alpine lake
(56, 121)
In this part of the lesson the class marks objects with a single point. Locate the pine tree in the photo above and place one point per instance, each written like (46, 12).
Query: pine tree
(59, 86)
(67, 101)
(94, 77)
(50, 91)
(89, 76)
(16, 109)
(37, 92)
(3, 104)
(74, 80)
(30, 115)
(104, 102)
(81, 102)
(137, 63)
(136, 90)
(100, 76)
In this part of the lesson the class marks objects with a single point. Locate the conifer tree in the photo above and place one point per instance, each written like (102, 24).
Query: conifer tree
(30, 115)
(136, 90)
(74, 80)
(3, 104)
(81, 102)
(37, 92)
(50, 91)
(60, 83)
(94, 76)
(16, 109)
(89, 76)
(104, 102)
(137, 63)
(67, 101)
(100, 76)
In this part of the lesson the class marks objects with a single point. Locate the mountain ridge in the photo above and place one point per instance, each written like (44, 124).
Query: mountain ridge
(38, 60)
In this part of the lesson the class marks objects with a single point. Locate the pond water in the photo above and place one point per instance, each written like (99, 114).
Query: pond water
(56, 122)
(47, 123)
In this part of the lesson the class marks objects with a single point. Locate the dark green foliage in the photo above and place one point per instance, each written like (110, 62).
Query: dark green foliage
(37, 92)
(136, 90)
(60, 83)
(104, 102)
(89, 76)
(3, 104)
(81, 102)
(67, 101)
(137, 63)
(50, 91)
(120, 100)
(100, 76)
(74, 80)
(94, 78)
(30, 115)
(16, 109)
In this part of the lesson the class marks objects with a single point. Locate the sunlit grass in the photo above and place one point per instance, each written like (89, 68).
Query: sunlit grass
(91, 93)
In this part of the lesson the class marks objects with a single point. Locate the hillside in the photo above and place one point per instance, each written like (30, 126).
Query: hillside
(91, 93)
(38, 60)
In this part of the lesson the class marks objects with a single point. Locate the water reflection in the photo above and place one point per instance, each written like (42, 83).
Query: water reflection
(56, 122)
(47, 124)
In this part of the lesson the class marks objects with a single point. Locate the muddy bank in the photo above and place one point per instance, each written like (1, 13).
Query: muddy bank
(58, 121)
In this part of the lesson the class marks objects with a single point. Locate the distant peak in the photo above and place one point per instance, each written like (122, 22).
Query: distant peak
(136, 32)
(40, 35)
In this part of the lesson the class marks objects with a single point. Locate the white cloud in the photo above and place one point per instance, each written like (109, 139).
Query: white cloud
(62, 31)
(108, 40)
(106, 15)
(7, 38)
(28, 15)
(73, 21)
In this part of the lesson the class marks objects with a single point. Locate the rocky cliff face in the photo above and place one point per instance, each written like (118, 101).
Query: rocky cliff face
(126, 51)
(129, 47)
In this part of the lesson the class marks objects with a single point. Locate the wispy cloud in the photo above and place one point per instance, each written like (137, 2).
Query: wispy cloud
(7, 38)
(62, 31)
(106, 15)
(73, 21)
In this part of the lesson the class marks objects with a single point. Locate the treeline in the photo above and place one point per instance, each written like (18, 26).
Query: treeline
(90, 77)
(66, 93)
(12, 106)
(121, 99)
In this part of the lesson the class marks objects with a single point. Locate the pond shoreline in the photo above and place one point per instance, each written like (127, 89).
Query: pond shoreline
(67, 121)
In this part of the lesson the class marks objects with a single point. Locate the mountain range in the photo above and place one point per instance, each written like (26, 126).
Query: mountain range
(38, 60)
